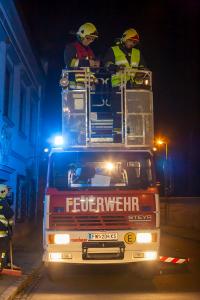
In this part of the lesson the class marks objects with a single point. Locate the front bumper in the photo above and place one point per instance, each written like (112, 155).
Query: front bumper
(83, 251)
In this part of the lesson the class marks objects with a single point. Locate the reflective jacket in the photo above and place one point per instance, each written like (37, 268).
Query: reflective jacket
(6, 214)
(120, 56)
(121, 60)
(76, 56)
(82, 54)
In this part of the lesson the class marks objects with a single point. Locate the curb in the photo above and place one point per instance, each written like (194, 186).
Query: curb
(11, 292)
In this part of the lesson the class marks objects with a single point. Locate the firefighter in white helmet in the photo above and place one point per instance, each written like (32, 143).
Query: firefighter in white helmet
(6, 215)
(79, 53)
(124, 54)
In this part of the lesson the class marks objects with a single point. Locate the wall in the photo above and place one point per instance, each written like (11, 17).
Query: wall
(21, 90)
(181, 214)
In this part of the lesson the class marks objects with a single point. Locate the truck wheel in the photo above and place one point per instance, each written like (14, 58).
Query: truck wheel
(147, 270)
(55, 271)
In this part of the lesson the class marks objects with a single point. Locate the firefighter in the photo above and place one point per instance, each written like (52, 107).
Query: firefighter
(6, 214)
(79, 54)
(123, 54)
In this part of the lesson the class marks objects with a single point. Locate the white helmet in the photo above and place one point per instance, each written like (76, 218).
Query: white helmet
(3, 191)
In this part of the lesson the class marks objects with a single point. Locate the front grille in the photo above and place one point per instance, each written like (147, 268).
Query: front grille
(98, 255)
(70, 222)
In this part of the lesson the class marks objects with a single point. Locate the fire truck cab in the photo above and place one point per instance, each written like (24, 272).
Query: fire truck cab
(101, 204)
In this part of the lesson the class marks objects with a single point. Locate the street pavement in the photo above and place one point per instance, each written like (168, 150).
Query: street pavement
(28, 255)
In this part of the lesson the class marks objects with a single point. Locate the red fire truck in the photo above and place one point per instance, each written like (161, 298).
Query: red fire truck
(101, 203)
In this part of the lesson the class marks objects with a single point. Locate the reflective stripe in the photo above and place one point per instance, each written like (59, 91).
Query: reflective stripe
(74, 63)
(3, 219)
(5, 222)
(2, 260)
(135, 58)
(3, 233)
(80, 77)
(121, 60)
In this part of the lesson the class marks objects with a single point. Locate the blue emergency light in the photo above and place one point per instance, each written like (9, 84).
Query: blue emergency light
(58, 140)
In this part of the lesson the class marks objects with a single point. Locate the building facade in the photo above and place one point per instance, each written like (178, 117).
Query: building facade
(21, 92)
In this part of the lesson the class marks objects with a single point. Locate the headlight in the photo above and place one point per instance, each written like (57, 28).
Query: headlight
(144, 237)
(151, 255)
(61, 239)
(55, 256)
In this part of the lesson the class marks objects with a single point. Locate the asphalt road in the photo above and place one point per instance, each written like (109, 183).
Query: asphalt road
(121, 282)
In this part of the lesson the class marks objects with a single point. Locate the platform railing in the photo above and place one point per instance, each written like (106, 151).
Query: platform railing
(82, 87)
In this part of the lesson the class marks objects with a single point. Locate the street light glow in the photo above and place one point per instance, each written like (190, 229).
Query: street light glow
(164, 141)
(160, 142)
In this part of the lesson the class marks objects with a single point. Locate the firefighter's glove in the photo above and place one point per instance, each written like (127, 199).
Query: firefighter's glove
(94, 63)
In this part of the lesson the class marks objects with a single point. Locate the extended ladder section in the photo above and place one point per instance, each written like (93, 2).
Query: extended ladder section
(88, 115)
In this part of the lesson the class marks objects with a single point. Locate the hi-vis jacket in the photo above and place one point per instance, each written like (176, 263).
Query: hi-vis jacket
(6, 214)
(120, 56)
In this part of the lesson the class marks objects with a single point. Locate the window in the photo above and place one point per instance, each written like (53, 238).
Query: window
(8, 92)
(22, 110)
(101, 170)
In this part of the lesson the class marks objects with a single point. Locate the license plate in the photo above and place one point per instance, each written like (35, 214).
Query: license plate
(103, 236)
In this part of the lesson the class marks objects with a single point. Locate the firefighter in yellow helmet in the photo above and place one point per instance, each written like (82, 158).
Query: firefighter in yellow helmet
(6, 214)
(79, 53)
(124, 54)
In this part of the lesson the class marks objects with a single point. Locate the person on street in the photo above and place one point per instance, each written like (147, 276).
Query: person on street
(6, 215)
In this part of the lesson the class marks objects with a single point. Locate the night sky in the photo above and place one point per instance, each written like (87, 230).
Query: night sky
(169, 33)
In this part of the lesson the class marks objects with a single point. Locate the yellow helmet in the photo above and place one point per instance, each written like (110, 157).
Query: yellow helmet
(3, 191)
(87, 29)
(130, 34)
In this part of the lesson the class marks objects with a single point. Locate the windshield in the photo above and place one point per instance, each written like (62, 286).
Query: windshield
(88, 170)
